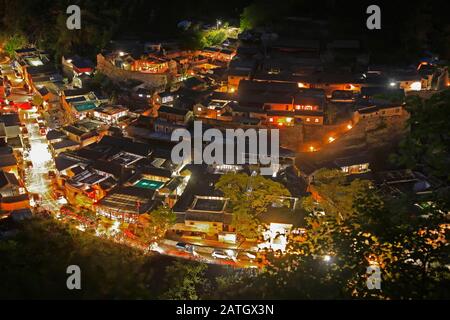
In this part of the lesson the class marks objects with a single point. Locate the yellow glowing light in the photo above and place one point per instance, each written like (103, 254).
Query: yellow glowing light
(349, 126)
(311, 148)
(288, 120)
(301, 85)
(232, 90)
(331, 139)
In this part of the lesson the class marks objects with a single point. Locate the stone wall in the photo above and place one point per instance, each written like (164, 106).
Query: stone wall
(292, 137)
(370, 133)
(117, 74)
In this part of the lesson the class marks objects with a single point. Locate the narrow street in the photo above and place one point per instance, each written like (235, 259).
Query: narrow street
(36, 176)
(37, 179)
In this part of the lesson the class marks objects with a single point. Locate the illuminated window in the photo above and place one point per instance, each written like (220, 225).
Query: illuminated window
(316, 120)
(308, 119)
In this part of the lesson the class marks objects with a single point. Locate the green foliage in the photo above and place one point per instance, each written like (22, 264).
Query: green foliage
(34, 265)
(257, 192)
(213, 37)
(185, 281)
(337, 196)
(196, 39)
(412, 261)
(245, 223)
(16, 41)
(255, 15)
(267, 12)
(427, 146)
(155, 224)
(250, 196)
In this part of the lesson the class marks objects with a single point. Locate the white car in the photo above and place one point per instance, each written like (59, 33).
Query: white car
(220, 254)
(248, 255)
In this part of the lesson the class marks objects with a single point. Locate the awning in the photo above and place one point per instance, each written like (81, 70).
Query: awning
(25, 106)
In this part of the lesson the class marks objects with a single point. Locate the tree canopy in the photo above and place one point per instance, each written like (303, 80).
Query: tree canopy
(250, 196)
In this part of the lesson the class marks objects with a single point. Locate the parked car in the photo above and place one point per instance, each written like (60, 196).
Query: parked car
(181, 245)
(220, 254)
(185, 247)
(244, 255)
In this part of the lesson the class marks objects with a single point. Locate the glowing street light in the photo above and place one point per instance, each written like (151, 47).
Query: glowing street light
(331, 139)
(349, 126)
(218, 23)
(326, 258)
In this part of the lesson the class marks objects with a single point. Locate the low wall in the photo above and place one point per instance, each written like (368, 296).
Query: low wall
(117, 74)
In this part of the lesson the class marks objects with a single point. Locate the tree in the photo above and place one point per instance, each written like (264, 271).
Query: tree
(15, 42)
(213, 37)
(250, 196)
(256, 191)
(245, 223)
(427, 146)
(185, 281)
(334, 194)
(410, 250)
(255, 15)
(153, 226)
(34, 264)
